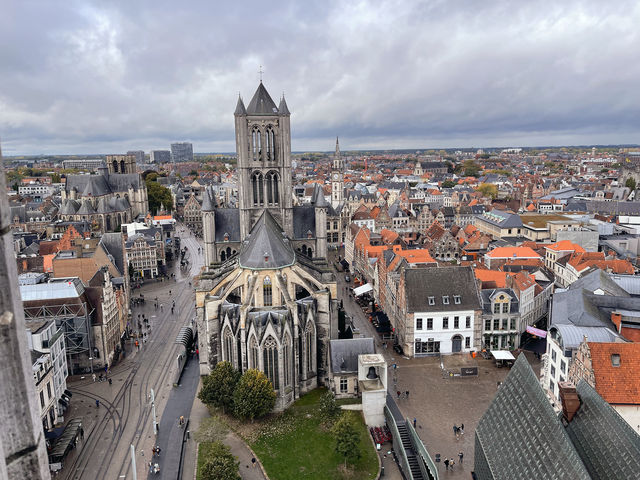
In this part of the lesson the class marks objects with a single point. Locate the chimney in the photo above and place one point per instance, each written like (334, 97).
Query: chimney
(616, 318)
(570, 400)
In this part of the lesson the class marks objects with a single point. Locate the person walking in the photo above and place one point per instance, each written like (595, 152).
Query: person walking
(253, 462)
(446, 463)
(94, 377)
(406, 394)
(455, 430)
(451, 463)
(414, 422)
(398, 392)
(460, 456)
(150, 467)
(462, 428)
(97, 403)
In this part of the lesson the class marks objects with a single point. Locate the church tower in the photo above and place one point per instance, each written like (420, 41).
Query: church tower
(263, 145)
(337, 178)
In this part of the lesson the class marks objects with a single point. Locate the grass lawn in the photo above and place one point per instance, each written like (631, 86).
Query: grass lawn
(296, 444)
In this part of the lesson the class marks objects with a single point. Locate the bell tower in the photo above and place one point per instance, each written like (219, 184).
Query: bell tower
(263, 145)
(337, 178)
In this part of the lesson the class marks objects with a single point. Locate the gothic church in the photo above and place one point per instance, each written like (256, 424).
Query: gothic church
(267, 296)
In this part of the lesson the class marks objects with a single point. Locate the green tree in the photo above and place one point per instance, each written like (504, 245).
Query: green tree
(254, 395)
(488, 190)
(328, 407)
(471, 169)
(630, 183)
(158, 195)
(448, 184)
(55, 178)
(221, 465)
(193, 173)
(217, 387)
(347, 438)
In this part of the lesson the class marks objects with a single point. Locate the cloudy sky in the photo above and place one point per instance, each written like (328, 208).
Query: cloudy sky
(110, 76)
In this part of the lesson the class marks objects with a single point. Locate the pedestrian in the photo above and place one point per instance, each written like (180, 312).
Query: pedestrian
(407, 394)
(150, 467)
(110, 382)
(414, 422)
(460, 456)
(462, 428)
(253, 462)
(153, 451)
(94, 377)
(451, 463)
(455, 430)
(446, 463)
(97, 403)
(398, 392)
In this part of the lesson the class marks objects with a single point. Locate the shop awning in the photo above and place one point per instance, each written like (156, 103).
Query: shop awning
(362, 290)
(502, 355)
(536, 331)
(66, 441)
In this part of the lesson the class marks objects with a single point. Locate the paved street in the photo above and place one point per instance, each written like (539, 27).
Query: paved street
(124, 417)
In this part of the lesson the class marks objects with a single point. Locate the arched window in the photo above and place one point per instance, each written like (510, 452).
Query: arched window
(286, 360)
(254, 352)
(223, 255)
(269, 185)
(257, 183)
(115, 166)
(228, 346)
(256, 140)
(121, 166)
(270, 139)
(310, 346)
(267, 292)
(270, 359)
(273, 188)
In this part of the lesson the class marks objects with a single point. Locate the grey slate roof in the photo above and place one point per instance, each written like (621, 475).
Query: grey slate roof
(208, 200)
(266, 240)
(240, 110)
(502, 219)
(97, 185)
(112, 243)
(283, 108)
(344, 353)
(422, 283)
(317, 199)
(607, 444)
(304, 220)
(227, 221)
(489, 294)
(520, 436)
(261, 103)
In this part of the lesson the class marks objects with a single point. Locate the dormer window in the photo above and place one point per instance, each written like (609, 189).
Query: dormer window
(432, 300)
(456, 299)
(615, 359)
(445, 299)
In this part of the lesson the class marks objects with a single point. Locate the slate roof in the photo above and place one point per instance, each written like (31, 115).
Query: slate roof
(502, 219)
(606, 443)
(488, 295)
(112, 243)
(344, 353)
(304, 220)
(318, 199)
(227, 221)
(267, 246)
(240, 109)
(98, 185)
(261, 103)
(421, 283)
(208, 200)
(520, 436)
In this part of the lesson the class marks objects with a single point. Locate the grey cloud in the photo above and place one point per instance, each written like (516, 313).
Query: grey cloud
(81, 77)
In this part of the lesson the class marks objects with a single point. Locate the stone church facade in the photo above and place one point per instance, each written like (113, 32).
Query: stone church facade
(267, 296)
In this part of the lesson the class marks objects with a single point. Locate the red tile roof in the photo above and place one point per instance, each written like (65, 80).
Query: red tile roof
(512, 252)
(617, 385)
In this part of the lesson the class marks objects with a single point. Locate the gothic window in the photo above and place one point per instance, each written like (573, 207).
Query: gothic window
(256, 141)
(115, 166)
(267, 292)
(257, 184)
(310, 345)
(269, 141)
(253, 349)
(273, 190)
(286, 359)
(270, 359)
(122, 166)
(228, 346)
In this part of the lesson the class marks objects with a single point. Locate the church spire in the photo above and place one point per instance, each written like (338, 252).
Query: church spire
(283, 109)
(240, 110)
(337, 147)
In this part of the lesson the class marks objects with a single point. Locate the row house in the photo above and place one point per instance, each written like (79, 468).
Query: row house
(439, 311)
(441, 243)
(192, 214)
(500, 319)
(499, 224)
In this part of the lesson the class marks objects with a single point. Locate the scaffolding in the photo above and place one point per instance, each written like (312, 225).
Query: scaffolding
(75, 320)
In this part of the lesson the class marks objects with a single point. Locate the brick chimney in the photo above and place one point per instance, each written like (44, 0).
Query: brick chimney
(570, 400)
(616, 318)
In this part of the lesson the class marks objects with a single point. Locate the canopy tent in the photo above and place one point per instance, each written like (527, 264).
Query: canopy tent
(66, 441)
(502, 355)
(362, 290)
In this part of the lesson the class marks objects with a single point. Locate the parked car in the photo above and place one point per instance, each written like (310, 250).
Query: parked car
(347, 278)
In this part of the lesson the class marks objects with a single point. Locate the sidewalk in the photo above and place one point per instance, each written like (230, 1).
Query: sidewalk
(238, 448)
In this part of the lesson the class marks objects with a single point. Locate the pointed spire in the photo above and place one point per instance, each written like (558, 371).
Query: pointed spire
(337, 147)
(283, 109)
(240, 110)
(261, 103)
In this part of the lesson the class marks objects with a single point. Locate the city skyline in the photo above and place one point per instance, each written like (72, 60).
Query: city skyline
(87, 78)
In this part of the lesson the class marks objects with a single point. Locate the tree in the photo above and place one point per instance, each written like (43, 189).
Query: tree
(158, 195)
(221, 464)
(347, 438)
(55, 178)
(488, 190)
(254, 395)
(471, 169)
(328, 406)
(217, 387)
(448, 184)
(630, 183)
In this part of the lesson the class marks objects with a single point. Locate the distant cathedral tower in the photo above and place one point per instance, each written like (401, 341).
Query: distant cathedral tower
(263, 143)
(337, 178)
